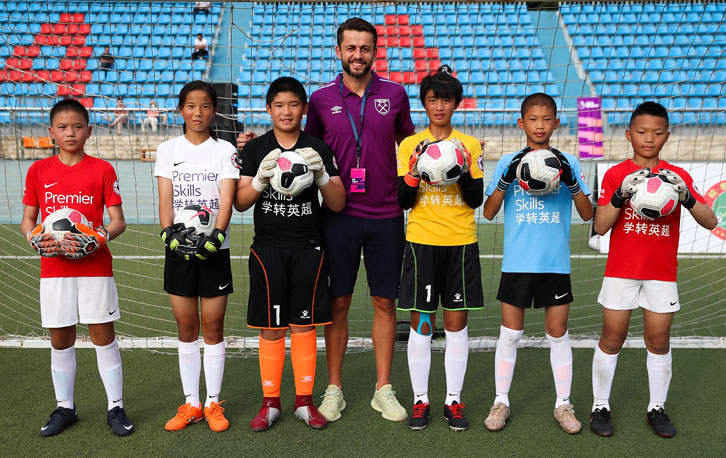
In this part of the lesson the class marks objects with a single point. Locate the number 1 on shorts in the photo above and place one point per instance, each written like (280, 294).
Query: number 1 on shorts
(277, 314)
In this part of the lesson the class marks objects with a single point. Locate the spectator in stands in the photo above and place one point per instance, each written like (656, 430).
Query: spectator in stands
(120, 116)
(152, 118)
(203, 7)
(105, 62)
(200, 48)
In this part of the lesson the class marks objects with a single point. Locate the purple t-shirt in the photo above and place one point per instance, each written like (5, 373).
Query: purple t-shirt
(386, 115)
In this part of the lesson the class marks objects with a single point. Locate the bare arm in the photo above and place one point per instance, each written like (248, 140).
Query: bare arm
(245, 194)
(30, 219)
(704, 216)
(244, 137)
(400, 137)
(605, 218)
(166, 202)
(226, 198)
(493, 204)
(334, 194)
(583, 205)
(117, 225)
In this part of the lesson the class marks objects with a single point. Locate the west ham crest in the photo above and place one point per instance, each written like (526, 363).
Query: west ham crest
(383, 106)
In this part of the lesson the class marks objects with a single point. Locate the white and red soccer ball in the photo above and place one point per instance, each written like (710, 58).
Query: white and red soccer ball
(291, 175)
(654, 197)
(198, 217)
(62, 222)
(440, 163)
(539, 172)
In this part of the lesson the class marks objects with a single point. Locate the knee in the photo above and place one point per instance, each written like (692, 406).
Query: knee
(659, 344)
(384, 305)
(510, 336)
(556, 331)
(213, 332)
(611, 343)
(424, 325)
(188, 332)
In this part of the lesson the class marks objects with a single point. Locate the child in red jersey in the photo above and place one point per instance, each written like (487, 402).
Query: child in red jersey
(76, 276)
(641, 267)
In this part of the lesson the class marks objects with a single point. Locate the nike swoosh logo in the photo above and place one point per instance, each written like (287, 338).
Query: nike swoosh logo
(43, 428)
(221, 287)
(674, 303)
(177, 163)
(558, 296)
(111, 313)
(49, 185)
(129, 428)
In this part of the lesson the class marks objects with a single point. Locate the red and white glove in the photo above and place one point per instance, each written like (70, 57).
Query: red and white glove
(42, 242)
(467, 155)
(83, 241)
(412, 178)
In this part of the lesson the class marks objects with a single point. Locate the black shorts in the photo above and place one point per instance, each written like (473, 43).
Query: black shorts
(382, 243)
(288, 287)
(197, 278)
(544, 289)
(449, 273)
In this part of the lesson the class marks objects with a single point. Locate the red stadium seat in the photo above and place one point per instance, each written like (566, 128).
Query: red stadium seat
(59, 29)
(13, 75)
(66, 17)
(27, 77)
(390, 19)
(405, 42)
(84, 29)
(381, 41)
(86, 102)
(383, 75)
(396, 77)
(380, 30)
(78, 17)
(419, 53)
(20, 63)
(42, 75)
(3, 75)
(419, 42)
(41, 40)
(79, 64)
(86, 76)
(65, 40)
(392, 42)
(380, 53)
(71, 52)
(20, 51)
(56, 76)
(71, 77)
(381, 66)
(46, 29)
(78, 89)
(78, 40)
(409, 77)
(86, 51)
(63, 90)
(432, 53)
(420, 76)
(66, 64)
(434, 64)
(391, 31)
(420, 65)
(417, 30)
(404, 31)
(403, 19)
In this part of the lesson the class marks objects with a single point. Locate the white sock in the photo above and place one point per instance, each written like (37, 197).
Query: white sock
(190, 364)
(455, 359)
(213, 371)
(63, 371)
(108, 358)
(660, 370)
(419, 364)
(603, 372)
(561, 362)
(504, 360)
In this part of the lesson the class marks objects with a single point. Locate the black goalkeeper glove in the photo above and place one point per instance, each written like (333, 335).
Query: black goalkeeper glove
(568, 175)
(209, 245)
(175, 236)
(510, 171)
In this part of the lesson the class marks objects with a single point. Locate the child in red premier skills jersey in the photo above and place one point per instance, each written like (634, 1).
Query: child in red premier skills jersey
(76, 276)
(641, 267)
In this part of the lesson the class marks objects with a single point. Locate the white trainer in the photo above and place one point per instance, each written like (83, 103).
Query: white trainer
(333, 403)
(384, 401)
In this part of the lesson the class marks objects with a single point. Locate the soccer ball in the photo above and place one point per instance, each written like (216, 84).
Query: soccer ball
(440, 163)
(654, 197)
(62, 221)
(291, 175)
(539, 172)
(199, 217)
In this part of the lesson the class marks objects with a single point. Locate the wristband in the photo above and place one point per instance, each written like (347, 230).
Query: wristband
(617, 200)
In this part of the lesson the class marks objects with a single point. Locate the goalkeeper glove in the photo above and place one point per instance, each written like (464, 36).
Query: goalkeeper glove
(568, 174)
(209, 245)
(628, 187)
(467, 155)
(510, 171)
(175, 236)
(42, 242)
(315, 164)
(412, 178)
(684, 195)
(264, 172)
(83, 241)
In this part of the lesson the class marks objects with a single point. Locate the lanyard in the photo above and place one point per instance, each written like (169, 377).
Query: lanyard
(350, 117)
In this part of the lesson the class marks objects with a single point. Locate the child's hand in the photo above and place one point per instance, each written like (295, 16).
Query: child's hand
(43, 243)
(265, 170)
(315, 164)
(413, 178)
(175, 236)
(684, 195)
(209, 245)
(76, 245)
(628, 187)
(568, 175)
(510, 172)
(465, 152)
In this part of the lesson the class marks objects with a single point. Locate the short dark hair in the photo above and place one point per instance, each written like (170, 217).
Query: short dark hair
(443, 83)
(286, 84)
(541, 99)
(198, 85)
(652, 109)
(359, 25)
(69, 105)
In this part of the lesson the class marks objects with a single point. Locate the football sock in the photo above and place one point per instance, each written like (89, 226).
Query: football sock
(455, 359)
(603, 372)
(272, 360)
(303, 353)
(659, 378)
(190, 364)
(63, 372)
(213, 371)
(561, 361)
(419, 364)
(504, 360)
(108, 359)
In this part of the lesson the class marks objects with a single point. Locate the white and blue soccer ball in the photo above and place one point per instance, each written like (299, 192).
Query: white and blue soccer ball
(654, 197)
(198, 217)
(291, 175)
(539, 172)
(440, 163)
(62, 222)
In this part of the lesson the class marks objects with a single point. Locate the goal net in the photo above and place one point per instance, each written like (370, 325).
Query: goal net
(598, 60)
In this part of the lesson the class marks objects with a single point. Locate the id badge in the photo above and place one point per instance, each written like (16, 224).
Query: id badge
(358, 180)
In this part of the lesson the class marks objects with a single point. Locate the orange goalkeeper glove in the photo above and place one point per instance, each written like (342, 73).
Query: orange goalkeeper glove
(42, 242)
(83, 241)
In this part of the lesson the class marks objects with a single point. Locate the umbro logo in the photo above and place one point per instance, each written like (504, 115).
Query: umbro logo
(48, 185)
(336, 110)
(178, 163)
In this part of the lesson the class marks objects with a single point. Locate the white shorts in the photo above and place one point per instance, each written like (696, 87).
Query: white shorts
(63, 300)
(627, 294)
